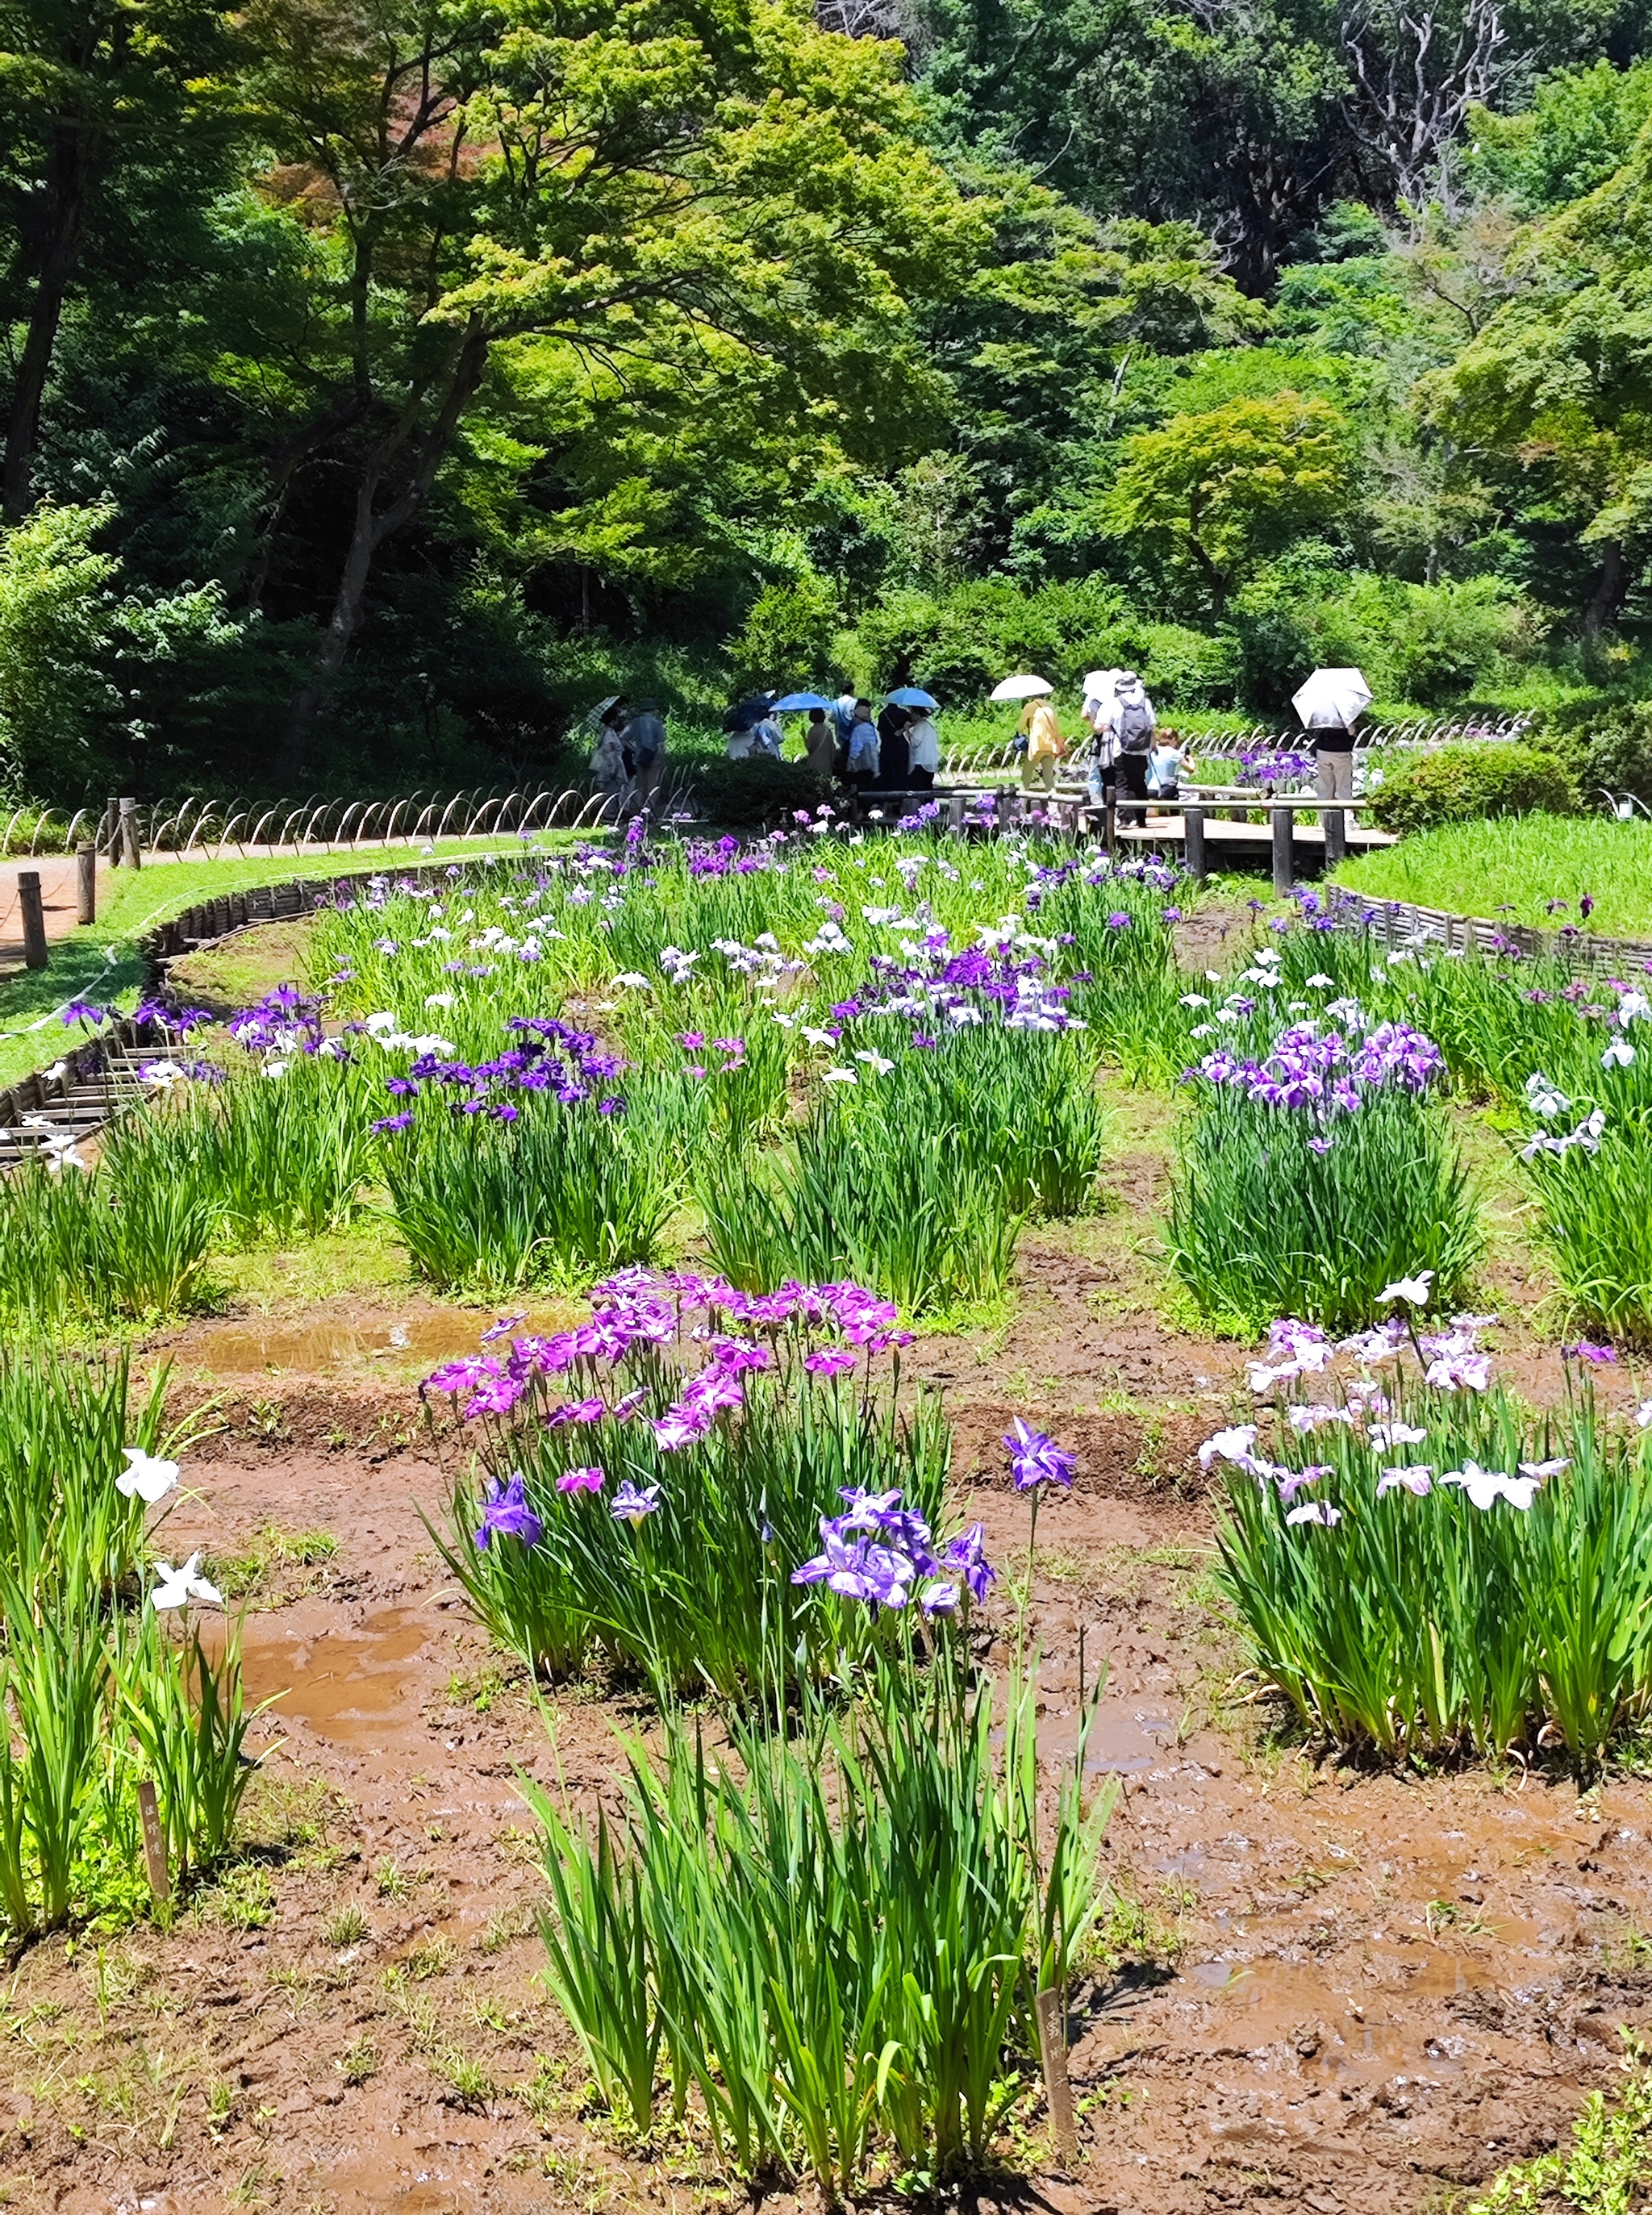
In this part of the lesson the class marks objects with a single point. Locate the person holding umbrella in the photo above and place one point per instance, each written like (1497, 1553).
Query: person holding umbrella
(1330, 704)
(1039, 726)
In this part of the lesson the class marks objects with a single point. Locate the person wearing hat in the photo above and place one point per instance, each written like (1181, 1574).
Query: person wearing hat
(1130, 718)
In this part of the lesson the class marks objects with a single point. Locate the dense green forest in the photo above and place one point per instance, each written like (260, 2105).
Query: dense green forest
(384, 381)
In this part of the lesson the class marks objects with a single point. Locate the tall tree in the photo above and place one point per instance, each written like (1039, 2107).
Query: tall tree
(1556, 386)
(89, 88)
(633, 179)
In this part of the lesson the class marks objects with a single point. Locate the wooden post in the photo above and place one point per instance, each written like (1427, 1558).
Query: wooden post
(129, 834)
(1284, 818)
(86, 884)
(1194, 821)
(1335, 823)
(160, 1881)
(29, 899)
(1057, 2086)
(109, 829)
(1110, 820)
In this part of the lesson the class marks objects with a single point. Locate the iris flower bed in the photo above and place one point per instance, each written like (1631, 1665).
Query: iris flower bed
(96, 1687)
(645, 1486)
(1422, 1568)
(1316, 1167)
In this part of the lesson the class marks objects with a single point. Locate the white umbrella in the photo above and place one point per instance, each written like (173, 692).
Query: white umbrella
(1020, 688)
(1099, 684)
(1332, 700)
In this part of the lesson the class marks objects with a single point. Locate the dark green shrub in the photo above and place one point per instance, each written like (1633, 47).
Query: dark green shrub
(750, 794)
(1465, 784)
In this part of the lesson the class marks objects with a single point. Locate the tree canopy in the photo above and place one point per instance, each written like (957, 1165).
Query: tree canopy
(390, 379)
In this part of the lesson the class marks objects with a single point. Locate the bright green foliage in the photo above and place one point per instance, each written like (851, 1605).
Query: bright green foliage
(1226, 487)
(836, 1949)
(1260, 1224)
(94, 1689)
(1515, 867)
(77, 659)
(1604, 2171)
(1463, 784)
(1558, 379)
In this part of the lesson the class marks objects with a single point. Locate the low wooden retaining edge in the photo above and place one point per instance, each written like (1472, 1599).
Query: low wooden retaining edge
(1403, 921)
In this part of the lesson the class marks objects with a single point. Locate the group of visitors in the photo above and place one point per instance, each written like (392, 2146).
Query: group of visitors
(897, 750)
(629, 760)
(1131, 760)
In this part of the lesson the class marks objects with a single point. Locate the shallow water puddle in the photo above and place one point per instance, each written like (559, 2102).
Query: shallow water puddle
(338, 1342)
(343, 1685)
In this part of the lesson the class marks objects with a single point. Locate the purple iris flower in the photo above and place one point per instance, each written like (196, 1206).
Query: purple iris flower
(576, 1411)
(505, 1513)
(1035, 1459)
(630, 1505)
(966, 1556)
(829, 1362)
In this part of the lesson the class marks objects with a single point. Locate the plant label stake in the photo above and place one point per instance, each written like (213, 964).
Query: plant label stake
(1058, 2087)
(160, 1883)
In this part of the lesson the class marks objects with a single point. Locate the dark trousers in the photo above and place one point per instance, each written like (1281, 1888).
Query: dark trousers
(920, 779)
(1130, 774)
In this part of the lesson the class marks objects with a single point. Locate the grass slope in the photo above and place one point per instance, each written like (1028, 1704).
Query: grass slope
(1516, 866)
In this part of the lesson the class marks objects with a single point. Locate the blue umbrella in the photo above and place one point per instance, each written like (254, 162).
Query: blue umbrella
(795, 701)
(910, 695)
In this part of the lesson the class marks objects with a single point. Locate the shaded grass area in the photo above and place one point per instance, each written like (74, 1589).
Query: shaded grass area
(1516, 866)
(101, 962)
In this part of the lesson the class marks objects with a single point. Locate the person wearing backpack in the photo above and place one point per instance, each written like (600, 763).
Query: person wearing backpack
(1131, 723)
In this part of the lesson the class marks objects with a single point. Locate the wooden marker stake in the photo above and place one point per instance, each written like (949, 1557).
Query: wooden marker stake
(160, 1883)
(1057, 2086)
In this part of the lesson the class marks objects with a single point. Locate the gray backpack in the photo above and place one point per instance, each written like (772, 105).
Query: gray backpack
(1135, 726)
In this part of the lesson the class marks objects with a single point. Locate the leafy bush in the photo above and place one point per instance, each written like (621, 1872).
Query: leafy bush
(960, 642)
(1466, 784)
(1431, 644)
(751, 795)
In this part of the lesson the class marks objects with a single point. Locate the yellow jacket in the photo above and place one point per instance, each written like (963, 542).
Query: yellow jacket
(1044, 739)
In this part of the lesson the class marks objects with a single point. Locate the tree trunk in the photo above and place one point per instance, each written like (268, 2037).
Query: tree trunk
(372, 527)
(59, 250)
(1609, 593)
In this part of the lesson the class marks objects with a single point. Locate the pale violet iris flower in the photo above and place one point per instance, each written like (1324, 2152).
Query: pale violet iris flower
(1414, 1288)
(1485, 1487)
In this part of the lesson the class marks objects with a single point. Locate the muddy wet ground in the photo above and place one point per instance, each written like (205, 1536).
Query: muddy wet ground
(1319, 1987)
(1316, 1986)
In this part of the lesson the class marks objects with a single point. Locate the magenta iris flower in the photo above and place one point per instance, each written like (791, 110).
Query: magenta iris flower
(581, 1480)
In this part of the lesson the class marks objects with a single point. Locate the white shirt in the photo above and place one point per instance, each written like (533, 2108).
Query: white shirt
(922, 744)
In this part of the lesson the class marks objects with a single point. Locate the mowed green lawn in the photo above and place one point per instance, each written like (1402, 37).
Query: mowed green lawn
(1518, 867)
